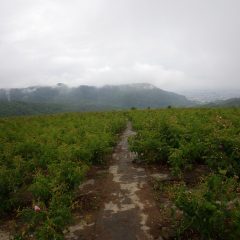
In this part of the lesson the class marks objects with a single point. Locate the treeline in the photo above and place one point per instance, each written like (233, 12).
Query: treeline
(17, 108)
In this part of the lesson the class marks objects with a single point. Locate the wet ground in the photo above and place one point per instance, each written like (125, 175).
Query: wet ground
(4, 235)
(124, 200)
(127, 207)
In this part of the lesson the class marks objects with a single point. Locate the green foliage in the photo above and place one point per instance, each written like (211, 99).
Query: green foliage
(44, 159)
(41, 188)
(183, 137)
(212, 209)
(21, 108)
(47, 100)
(154, 145)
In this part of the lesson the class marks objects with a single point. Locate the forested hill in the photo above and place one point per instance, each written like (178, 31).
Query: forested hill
(15, 108)
(86, 98)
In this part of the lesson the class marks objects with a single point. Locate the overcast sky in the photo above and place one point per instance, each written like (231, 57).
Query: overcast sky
(173, 44)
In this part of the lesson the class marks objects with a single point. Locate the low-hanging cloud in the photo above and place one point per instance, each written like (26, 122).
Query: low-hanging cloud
(173, 44)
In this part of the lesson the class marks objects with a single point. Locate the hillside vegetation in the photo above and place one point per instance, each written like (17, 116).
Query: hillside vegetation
(38, 100)
(15, 108)
(183, 139)
(43, 159)
(42, 162)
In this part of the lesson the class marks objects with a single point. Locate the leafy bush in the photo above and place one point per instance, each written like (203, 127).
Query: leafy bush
(41, 188)
(45, 160)
(184, 137)
(212, 209)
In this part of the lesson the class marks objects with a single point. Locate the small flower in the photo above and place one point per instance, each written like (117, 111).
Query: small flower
(37, 208)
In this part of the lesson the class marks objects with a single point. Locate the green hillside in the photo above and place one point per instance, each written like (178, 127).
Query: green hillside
(43, 159)
(38, 100)
(15, 108)
(201, 149)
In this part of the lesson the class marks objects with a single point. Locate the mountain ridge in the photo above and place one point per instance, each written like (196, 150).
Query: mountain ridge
(92, 98)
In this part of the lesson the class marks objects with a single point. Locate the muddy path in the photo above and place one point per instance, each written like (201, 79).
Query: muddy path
(127, 210)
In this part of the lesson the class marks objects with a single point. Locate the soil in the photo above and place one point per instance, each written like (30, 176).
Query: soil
(5, 229)
(117, 203)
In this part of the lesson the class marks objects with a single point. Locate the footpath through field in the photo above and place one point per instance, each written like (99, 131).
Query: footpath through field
(128, 211)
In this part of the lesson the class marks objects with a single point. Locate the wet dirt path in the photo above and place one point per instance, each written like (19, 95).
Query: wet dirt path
(128, 210)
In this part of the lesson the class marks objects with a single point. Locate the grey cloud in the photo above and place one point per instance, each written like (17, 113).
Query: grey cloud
(170, 43)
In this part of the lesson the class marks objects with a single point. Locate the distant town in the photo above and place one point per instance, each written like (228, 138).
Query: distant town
(210, 96)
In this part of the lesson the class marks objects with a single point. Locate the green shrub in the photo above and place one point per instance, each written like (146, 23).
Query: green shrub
(45, 160)
(41, 188)
(184, 137)
(212, 209)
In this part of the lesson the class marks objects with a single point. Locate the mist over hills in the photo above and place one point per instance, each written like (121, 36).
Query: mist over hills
(62, 98)
(232, 102)
(211, 95)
